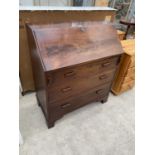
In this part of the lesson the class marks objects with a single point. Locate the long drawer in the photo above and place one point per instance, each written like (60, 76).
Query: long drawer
(60, 77)
(98, 94)
(74, 88)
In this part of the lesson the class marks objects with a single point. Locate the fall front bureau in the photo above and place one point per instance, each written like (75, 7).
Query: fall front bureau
(73, 64)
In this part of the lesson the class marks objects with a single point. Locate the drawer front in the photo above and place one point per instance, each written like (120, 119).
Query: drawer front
(72, 88)
(66, 106)
(81, 72)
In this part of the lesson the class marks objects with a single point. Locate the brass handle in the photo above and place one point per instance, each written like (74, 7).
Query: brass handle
(69, 74)
(106, 64)
(66, 105)
(66, 89)
(102, 77)
(100, 91)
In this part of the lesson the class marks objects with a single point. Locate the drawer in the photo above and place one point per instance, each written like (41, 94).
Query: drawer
(72, 88)
(81, 72)
(66, 106)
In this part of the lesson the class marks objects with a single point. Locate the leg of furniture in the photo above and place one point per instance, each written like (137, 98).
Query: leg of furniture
(103, 101)
(128, 24)
(50, 125)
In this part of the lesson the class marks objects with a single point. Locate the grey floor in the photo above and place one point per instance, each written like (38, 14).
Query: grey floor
(96, 129)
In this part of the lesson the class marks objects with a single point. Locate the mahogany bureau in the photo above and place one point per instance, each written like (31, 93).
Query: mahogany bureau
(73, 64)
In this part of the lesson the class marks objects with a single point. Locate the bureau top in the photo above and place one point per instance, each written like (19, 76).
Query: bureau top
(71, 44)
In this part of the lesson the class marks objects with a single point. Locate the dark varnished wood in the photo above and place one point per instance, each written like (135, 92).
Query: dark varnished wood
(72, 66)
(77, 44)
(82, 71)
(69, 89)
(49, 16)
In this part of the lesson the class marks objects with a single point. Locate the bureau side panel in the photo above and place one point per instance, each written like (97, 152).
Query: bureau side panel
(38, 72)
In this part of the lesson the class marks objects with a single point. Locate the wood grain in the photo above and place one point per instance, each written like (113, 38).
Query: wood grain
(125, 77)
(40, 17)
(60, 49)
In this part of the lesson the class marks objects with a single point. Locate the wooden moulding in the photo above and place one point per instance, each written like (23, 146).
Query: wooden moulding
(48, 15)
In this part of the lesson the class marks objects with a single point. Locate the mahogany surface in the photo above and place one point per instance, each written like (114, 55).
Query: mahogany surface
(72, 65)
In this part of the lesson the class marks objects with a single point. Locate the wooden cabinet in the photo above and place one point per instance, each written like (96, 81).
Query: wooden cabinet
(125, 77)
(47, 15)
(73, 64)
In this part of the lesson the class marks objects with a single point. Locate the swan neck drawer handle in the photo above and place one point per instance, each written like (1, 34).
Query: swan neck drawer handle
(100, 91)
(65, 105)
(67, 89)
(106, 64)
(69, 74)
(102, 77)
